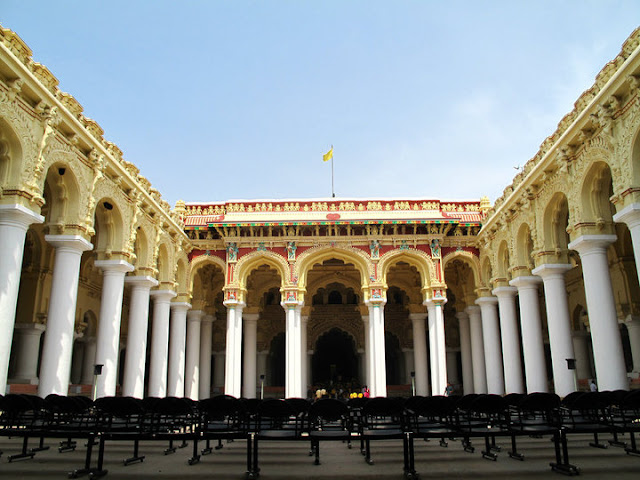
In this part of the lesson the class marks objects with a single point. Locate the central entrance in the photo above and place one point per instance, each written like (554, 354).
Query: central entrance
(335, 359)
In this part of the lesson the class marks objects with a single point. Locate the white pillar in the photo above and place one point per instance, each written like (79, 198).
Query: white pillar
(492, 344)
(177, 349)
(631, 216)
(611, 371)
(633, 327)
(409, 365)
(511, 356)
(219, 368)
(452, 367)
(88, 361)
(293, 351)
(135, 360)
(581, 349)
(159, 342)
(262, 365)
(108, 342)
(192, 356)
(559, 324)
(14, 222)
(27, 352)
(378, 360)
(55, 367)
(233, 358)
(532, 346)
(206, 329)
(420, 362)
(304, 321)
(250, 361)
(465, 352)
(437, 346)
(477, 350)
(367, 351)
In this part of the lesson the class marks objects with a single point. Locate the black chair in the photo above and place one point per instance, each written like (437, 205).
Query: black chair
(221, 418)
(383, 418)
(276, 420)
(625, 418)
(329, 419)
(485, 416)
(24, 416)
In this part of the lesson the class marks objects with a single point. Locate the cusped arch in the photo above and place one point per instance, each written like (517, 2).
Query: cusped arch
(317, 255)
(486, 270)
(555, 221)
(11, 158)
(111, 236)
(524, 246)
(163, 263)
(202, 261)
(416, 258)
(330, 278)
(595, 193)
(63, 196)
(253, 260)
(633, 150)
(467, 257)
(182, 273)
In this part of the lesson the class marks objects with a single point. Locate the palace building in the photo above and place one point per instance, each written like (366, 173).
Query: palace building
(537, 292)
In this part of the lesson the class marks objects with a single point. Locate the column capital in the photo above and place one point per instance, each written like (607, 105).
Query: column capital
(18, 216)
(208, 318)
(416, 317)
(435, 302)
(629, 215)
(69, 242)
(472, 310)
(525, 281)
(376, 302)
(195, 315)
(162, 295)
(233, 303)
(462, 315)
(27, 327)
(119, 266)
(180, 306)
(587, 244)
(550, 270)
(250, 317)
(142, 281)
(487, 301)
(505, 292)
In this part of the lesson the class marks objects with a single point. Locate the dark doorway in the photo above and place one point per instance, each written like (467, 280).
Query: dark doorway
(394, 359)
(335, 358)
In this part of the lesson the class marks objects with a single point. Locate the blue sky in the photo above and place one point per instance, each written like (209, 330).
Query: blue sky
(220, 100)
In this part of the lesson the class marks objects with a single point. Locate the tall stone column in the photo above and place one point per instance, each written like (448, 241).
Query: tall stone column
(437, 346)
(27, 352)
(559, 323)
(206, 331)
(293, 351)
(304, 321)
(192, 358)
(633, 327)
(177, 349)
(631, 216)
(160, 342)
(582, 353)
(14, 223)
(533, 346)
(108, 346)
(477, 350)
(250, 360)
(465, 352)
(377, 357)
(219, 369)
(611, 371)
(511, 358)
(492, 345)
(262, 366)
(135, 360)
(233, 358)
(55, 367)
(367, 351)
(420, 363)
(409, 365)
(88, 361)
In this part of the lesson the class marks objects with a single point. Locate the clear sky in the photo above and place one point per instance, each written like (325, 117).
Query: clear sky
(220, 100)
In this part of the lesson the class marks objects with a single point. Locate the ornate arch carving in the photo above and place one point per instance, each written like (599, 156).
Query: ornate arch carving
(470, 258)
(249, 262)
(319, 254)
(417, 258)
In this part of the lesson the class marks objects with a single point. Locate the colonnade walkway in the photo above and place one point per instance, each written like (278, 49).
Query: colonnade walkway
(290, 460)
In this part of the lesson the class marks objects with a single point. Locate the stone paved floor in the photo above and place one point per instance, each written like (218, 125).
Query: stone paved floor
(282, 460)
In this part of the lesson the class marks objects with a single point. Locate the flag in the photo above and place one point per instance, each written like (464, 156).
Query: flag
(328, 156)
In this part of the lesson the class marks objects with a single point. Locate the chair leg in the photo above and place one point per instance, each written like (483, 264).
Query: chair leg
(195, 458)
(615, 442)
(316, 447)
(24, 453)
(596, 443)
(367, 455)
(41, 446)
(207, 449)
(135, 457)
(68, 445)
(633, 450)
(487, 453)
(170, 448)
(513, 453)
(562, 465)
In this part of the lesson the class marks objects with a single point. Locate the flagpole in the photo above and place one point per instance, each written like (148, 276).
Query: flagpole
(333, 194)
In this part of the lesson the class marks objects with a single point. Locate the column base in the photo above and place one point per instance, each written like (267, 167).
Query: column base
(24, 381)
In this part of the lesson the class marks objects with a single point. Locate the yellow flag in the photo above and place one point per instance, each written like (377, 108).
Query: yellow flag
(328, 156)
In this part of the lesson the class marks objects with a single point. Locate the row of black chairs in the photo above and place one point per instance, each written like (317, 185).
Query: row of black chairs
(224, 418)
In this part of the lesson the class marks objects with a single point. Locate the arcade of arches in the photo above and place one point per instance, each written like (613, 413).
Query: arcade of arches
(281, 296)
